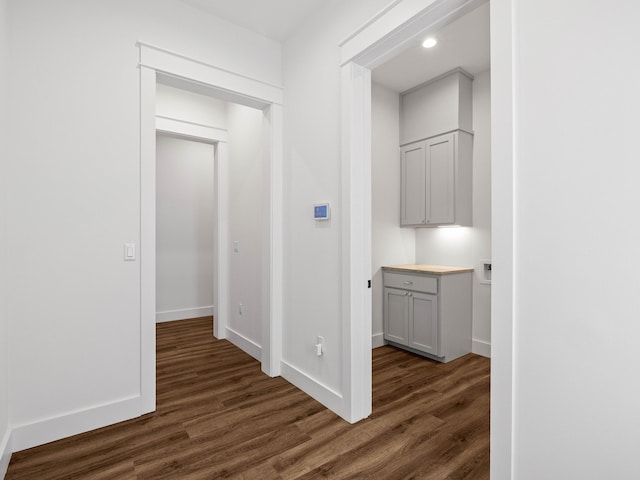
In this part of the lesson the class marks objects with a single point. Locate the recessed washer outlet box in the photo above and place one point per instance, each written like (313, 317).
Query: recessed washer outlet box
(485, 272)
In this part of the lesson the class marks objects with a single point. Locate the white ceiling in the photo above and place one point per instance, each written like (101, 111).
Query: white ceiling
(463, 43)
(275, 19)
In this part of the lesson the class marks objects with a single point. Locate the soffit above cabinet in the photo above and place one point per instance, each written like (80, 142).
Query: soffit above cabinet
(436, 107)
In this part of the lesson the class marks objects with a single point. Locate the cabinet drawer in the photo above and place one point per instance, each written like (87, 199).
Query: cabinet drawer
(419, 283)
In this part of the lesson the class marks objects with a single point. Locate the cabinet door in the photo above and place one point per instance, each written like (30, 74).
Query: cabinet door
(413, 185)
(440, 184)
(395, 316)
(423, 322)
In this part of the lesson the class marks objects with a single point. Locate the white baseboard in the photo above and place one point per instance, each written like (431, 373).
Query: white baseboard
(184, 314)
(244, 344)
(377, 340)
(480, 347)
(325, 395)
(49, 430)
(5, 453)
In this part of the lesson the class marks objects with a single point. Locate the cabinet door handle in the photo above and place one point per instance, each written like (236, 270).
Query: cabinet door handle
(411, 294)
(406, 293)
(407, 283)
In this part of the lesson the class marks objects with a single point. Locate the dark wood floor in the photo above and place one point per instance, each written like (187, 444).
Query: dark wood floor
(218, 416)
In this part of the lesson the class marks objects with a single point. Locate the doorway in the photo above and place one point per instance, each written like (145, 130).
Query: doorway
(374, 43)
(185, 228)
(425, 74)
(159, 65)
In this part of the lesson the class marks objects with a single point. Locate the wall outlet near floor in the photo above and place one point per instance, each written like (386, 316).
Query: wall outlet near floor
(319, 346)
(240, 309)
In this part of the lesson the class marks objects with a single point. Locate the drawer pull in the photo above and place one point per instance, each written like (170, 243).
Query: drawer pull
(407, 283)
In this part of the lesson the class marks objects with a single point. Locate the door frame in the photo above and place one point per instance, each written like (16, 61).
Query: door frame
(194, 75)
(381, 38)
(218, 139)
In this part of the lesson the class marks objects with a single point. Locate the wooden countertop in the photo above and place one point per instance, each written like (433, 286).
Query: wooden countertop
(432, 269)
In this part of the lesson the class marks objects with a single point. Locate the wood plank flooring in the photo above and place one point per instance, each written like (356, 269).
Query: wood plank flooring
(219, 416)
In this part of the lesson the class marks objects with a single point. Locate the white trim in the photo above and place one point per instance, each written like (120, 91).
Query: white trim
(55, 428)
(221, 243)
(323, 394)
(481, 347)
(503, 245)
(193, 130)
(369, 22)
(245, 344)
(6, 449)
(273, 300)
(356, 241)
(148, 239)
(260, 94)
(192, 60)
(183, 314)
(377, 340)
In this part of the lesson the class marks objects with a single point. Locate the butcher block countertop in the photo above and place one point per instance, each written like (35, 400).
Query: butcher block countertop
(432, 269)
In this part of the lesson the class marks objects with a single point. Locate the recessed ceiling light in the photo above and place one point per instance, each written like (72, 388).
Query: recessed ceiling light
(429, 42)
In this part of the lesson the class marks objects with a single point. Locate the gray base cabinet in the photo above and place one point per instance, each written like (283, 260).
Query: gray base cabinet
(429, 314)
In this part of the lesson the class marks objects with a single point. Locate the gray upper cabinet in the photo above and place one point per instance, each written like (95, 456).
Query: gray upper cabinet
(437, 152)
(437, 179)
(413, 189)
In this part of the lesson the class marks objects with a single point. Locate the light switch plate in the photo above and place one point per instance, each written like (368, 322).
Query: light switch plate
(129, 252)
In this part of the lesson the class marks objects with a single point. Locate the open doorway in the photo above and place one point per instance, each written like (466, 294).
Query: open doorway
(193, 215)
(399, 85)
(160, 66)
(185, 228)
(380, 39)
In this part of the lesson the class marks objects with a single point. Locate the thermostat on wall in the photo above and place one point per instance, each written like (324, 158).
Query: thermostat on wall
(321, 211)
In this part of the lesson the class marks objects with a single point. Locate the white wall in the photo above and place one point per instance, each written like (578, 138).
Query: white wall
(391, 245)
(4, 344)
(247, 216)
(184, 228)
(73, 303)
(481, 233)
(577, 309)
(313, 268)
(466, 246)
(191, 107)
